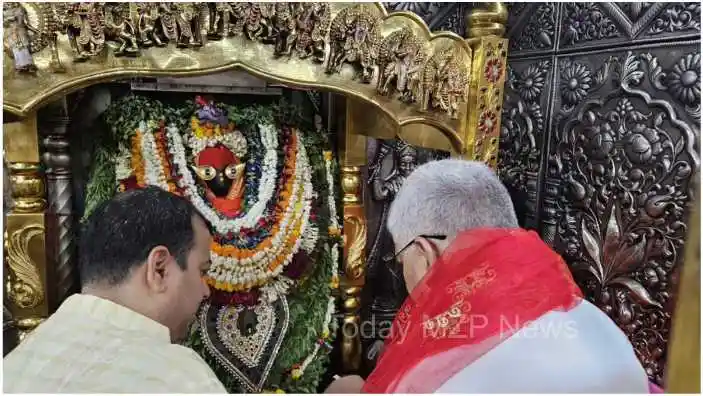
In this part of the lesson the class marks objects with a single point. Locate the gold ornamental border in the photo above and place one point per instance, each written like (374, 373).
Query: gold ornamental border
(24, 93)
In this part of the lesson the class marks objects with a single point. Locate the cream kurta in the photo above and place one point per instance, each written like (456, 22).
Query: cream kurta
(92, 345)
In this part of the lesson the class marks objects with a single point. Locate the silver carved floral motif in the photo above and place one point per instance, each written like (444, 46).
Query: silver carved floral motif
(685, 79)
(532, 81)
(596, 24)
(575, 80)
(678, 17)
(622, 145)
(521, 135)
(586, 22)
(620, 177)
(534, 28)
(682, 80)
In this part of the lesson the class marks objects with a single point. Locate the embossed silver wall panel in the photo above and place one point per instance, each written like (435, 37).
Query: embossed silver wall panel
(621, 158)
(526, 115)
(619, 89)
(532, 28)
(595, 25)
(443, 16)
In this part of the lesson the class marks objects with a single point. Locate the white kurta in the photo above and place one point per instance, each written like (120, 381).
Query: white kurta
(92, 345)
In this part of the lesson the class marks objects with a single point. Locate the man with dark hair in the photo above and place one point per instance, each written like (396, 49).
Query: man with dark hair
(142, 258)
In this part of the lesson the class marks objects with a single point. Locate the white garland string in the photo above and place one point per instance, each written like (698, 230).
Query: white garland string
(299, 371)
(334, 256)
(255, 269)
(153, 169)
(331, 202)
(267, 182)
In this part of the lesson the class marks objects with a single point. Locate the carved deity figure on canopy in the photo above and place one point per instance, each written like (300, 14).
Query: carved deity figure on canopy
(17, 41)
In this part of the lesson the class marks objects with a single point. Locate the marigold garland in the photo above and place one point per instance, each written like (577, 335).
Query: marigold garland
(137, 160)
(299, 364)
(284, 201)
(160, 138)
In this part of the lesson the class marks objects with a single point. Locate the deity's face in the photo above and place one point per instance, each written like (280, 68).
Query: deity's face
(406, 163)
(218, 168)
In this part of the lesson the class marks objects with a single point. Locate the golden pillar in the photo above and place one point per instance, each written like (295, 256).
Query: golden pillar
(24, 240)
(485, 28)
(59, 221)
(353, 160)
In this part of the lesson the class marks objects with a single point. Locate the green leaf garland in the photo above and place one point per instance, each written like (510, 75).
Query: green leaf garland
(308, 303)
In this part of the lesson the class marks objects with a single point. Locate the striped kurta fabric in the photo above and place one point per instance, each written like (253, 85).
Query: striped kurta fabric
(92, 345)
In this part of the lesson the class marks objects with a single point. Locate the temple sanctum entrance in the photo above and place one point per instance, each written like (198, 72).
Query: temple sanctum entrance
(291, 127)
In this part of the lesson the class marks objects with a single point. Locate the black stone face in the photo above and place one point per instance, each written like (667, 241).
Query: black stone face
(220, 184)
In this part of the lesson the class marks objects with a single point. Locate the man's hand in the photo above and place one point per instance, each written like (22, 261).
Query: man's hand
(348, 384)
(375, 351)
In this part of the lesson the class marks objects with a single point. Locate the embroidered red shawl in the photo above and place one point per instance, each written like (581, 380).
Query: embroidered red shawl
(487, 285)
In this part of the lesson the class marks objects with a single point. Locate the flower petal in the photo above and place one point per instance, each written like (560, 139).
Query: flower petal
(640, 294)
(627, 259)
(611, 242)
(591, 245)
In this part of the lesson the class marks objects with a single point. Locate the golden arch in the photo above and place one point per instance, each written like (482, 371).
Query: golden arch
(446, 95)
(451, 120)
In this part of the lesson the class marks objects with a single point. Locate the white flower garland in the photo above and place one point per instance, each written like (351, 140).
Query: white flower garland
(234, 141)
(278, 287)
(332, 204)
(256, 269)
(310, 238)
(332, 201)
(153, 170)
(300, 370)
(123, 163)
(267, 183)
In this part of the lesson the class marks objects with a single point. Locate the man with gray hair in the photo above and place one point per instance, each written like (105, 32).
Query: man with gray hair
(492, 309)
(444, 198)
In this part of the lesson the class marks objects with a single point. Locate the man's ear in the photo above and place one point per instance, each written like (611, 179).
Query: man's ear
(157, 268)
(428, 250)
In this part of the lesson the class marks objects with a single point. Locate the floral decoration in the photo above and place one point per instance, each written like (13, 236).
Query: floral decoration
(642, 144)
(576, 80)
(274, 246)
(531, 82)
(493, 70)
(487, 122)
(685, 79)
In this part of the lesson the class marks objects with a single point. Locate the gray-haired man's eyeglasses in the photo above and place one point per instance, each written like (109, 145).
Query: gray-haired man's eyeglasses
(392, 258)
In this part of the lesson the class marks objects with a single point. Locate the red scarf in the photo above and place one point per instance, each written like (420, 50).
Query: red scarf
(488, 284)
